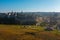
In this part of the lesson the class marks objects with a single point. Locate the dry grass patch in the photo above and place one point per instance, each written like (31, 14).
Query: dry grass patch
(14, 32)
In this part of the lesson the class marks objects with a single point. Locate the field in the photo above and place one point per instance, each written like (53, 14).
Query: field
(19, 32)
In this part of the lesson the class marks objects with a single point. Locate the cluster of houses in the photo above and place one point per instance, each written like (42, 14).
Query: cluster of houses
(53, 21)
(32, 18)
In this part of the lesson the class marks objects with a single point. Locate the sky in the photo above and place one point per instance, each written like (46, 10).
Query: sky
(30, 5)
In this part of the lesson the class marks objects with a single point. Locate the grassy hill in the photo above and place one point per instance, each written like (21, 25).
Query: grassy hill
(20, 32)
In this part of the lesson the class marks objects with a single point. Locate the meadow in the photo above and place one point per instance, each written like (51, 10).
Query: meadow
(27, 32)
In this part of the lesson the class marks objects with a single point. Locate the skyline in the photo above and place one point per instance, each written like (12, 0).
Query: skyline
(30, 5)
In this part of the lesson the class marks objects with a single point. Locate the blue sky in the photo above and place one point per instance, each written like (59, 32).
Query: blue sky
(30, 5)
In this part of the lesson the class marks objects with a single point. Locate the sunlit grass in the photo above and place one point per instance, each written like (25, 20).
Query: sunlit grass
(27, 32)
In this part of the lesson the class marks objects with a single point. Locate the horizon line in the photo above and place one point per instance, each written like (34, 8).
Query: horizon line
(28, 11)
